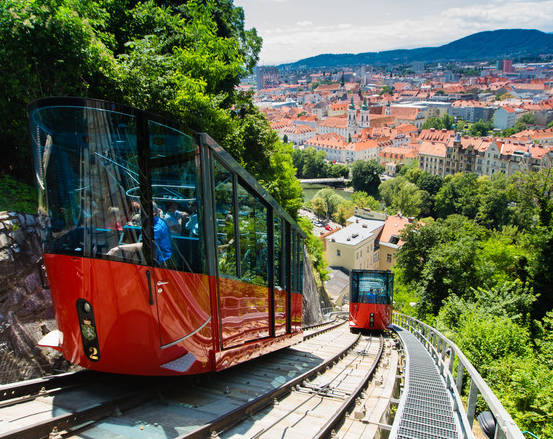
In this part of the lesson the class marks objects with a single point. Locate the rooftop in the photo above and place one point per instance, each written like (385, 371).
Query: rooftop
(358, 232)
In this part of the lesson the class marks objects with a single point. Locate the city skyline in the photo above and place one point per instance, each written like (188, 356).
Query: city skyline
(293, 30)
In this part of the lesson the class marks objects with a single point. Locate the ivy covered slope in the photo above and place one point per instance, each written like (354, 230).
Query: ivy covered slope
(180, 59)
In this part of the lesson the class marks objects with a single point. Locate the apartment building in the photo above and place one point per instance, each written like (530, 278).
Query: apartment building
(370, 241)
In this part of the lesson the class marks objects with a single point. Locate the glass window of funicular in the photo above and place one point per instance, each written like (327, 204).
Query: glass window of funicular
(354, 288)
(293, 261)
(176, 199)
(224, 220)
(279, 265)
(252, 225)
(300, 265)
(86, 160)
(390, 288)
(373, 288)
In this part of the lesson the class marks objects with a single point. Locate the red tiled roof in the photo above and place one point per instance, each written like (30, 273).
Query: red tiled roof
(330, 140)
(393, 227)
(432, 148)
(435, 135)
(334, 122)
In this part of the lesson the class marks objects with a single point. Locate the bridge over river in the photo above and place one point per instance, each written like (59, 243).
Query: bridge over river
(329, 181)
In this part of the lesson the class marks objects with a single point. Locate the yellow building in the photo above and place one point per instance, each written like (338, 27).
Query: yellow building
(369, 244)
(355, 246)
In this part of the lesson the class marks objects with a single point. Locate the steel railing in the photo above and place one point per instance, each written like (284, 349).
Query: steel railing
(441, 347)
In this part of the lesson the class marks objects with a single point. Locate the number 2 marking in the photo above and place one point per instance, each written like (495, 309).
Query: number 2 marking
(93, 353)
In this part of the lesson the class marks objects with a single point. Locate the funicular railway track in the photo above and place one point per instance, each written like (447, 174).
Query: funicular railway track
(91, 405)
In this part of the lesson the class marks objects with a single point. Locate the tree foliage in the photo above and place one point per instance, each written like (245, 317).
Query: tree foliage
(314, 248)
(366, 176)
(439, 123)
(182, 60)
(485, 279)
(311, 163)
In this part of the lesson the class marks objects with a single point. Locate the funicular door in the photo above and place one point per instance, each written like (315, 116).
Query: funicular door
(242, 259)
(181, 290)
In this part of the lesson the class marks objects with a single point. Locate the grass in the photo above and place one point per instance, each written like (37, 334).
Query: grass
(17, 196)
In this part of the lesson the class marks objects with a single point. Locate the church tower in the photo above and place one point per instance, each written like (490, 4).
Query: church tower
(388, 112)
(365, 115)
(352, 120)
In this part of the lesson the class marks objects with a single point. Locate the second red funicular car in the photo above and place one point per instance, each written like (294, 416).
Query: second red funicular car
(371, 298)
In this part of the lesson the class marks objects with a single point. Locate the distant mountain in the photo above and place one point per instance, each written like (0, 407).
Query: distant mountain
(502, 43)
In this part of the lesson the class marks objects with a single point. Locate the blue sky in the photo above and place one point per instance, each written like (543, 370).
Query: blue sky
(295, 29)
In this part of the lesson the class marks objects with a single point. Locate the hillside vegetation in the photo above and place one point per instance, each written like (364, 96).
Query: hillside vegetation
(179, 59)
(480, 268)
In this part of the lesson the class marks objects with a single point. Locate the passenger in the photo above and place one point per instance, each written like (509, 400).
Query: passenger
(174, 217)
(192, 226)
(162, 242)
(114, 219)
(162, 237)
(135, 214)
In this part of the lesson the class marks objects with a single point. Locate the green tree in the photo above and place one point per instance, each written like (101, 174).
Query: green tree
(481, 128)
(319, 207)
(338, 170)
(314, 248)
(366, 176)
(386, 89)
(344, 211)
(438, 123)
(493, 211)
(314, 164)
(485, 340)
(458, 194)
(408, 200)
(331, 200)
(389, 188)
(361, 199)
(432, 122)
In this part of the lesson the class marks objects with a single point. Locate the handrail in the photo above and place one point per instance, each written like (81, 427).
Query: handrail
(505, 426)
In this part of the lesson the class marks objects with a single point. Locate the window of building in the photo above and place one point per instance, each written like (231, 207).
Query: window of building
(389, 258)
(338, 253)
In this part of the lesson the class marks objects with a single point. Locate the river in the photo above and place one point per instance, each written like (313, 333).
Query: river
(310, 190)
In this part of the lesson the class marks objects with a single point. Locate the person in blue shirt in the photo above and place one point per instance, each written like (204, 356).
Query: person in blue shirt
(162, 242)
(162, 238)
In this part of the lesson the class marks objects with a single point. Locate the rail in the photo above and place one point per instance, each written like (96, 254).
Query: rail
(438, 345)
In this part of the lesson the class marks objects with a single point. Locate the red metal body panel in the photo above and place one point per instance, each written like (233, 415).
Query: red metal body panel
(296, 311)
(127, 325)
(180, 314)
(359, 315)
(233, 356)
(244, 312)
(135, 337)
(280, 312)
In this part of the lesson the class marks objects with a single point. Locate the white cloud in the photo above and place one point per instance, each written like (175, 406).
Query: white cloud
(304, 39)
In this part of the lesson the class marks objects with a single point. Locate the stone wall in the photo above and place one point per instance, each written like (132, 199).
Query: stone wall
(26, 311)
(314, 298)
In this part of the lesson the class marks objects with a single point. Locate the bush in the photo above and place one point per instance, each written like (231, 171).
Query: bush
(17, 196)
(486, 340)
